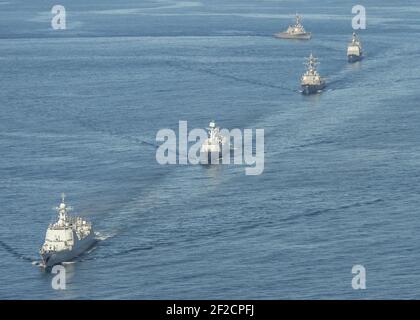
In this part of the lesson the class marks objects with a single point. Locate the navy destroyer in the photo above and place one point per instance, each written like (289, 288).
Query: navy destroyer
(311, 81)
(354, 49)
(66, 239)
(296, 31)
(211, 150)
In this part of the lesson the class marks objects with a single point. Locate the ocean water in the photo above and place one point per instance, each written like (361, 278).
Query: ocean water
(80, 109)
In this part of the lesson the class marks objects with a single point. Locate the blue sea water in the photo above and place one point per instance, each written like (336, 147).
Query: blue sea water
(80, 109)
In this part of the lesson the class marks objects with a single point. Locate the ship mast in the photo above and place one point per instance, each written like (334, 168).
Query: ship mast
(212, 129)
(311, 64)
(213, 132)
(298, 18)
(63, 209)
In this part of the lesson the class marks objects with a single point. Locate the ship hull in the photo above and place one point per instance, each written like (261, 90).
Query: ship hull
(354, 58)
(213, 153)
(52, 258)
(285, 35)
(311, 89)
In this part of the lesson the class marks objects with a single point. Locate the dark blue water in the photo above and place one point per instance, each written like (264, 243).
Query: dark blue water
(80, 110)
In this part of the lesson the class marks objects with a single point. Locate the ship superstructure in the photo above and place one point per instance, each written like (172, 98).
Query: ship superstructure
(354, 49)
(67, 238)
(211, 150)
(311, 81)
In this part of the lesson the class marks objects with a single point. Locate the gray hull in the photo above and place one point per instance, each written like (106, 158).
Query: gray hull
(311, 89)
(354, 58)
(285, 35)
(56, 257)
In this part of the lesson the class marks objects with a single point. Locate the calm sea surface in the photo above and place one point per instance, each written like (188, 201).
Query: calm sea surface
(80, 110)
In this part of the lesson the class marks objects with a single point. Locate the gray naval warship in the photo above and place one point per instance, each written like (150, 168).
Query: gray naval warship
(354, 49)
(311, 81)
(296, 31)
(66, 239)
(211, 150)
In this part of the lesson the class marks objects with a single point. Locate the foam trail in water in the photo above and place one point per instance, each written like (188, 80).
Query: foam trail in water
(14, 252)
(101, 237)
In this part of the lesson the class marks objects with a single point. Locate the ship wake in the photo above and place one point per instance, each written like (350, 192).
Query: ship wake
(15, 253)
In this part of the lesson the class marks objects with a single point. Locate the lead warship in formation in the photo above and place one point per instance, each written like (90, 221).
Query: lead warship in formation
(211, 150)
(311, 81)
(354, 49)
(296, 31)
(66, 239)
